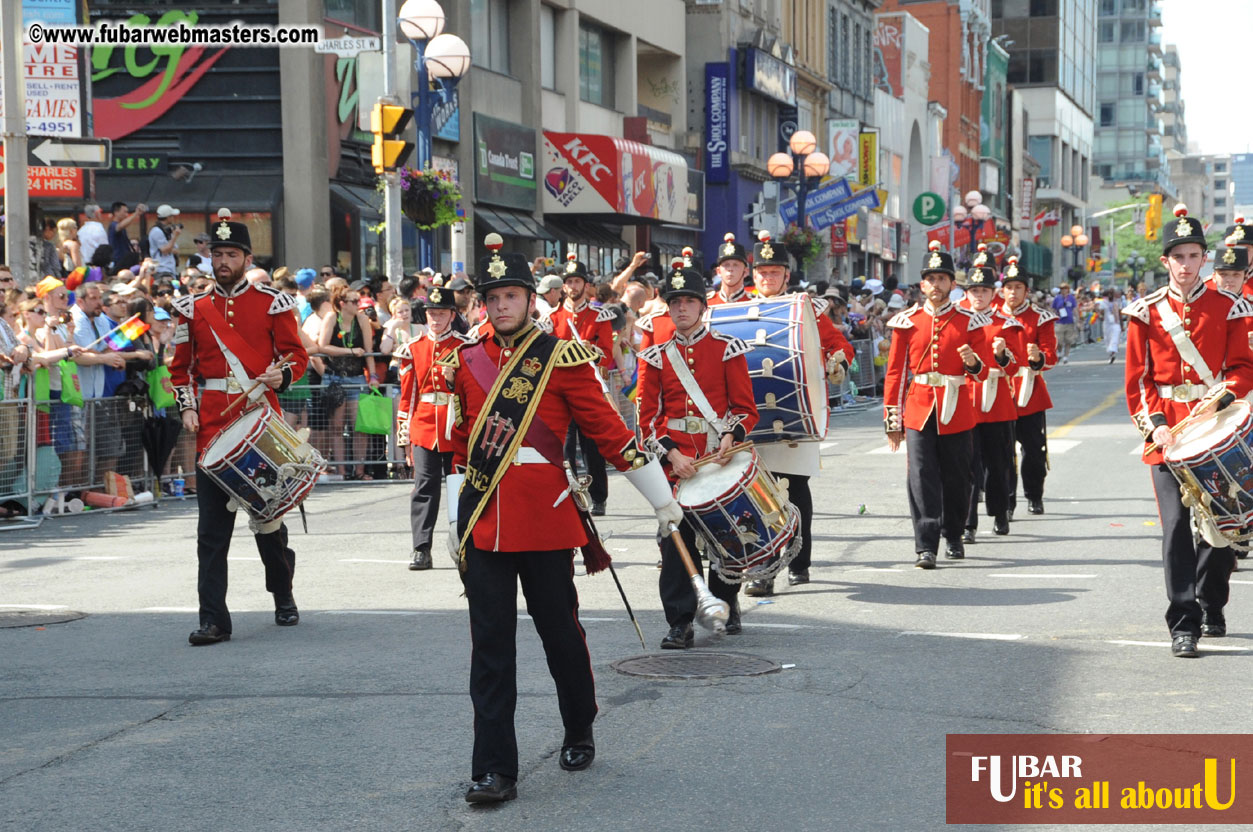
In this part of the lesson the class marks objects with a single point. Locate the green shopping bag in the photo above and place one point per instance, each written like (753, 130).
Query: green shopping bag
(374, 413)
(71, 386)
(43, 389)
(160, 388)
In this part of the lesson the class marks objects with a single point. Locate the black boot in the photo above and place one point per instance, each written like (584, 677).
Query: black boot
(285, 612)
(578, 750)
(208, 634)
(734, 626)
(492, 788)
(680, 637)
(1000, 525)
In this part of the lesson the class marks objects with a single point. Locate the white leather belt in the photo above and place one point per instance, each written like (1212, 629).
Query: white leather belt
(936, 379)
(993, 372)
(434, 398)
(1185, 392)
(222, 385)
(690, 424)
(529, 456)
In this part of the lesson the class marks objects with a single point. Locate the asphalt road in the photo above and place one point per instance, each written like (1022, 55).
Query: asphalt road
(359, 718)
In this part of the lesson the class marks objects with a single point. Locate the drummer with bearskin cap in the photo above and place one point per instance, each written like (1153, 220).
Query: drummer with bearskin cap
(226, 340)
(943, 346)
(675, 422)
(1185, 343)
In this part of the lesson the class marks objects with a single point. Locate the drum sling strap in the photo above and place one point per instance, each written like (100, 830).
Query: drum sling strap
(1187, 350)
(697, 396)
(238, 353)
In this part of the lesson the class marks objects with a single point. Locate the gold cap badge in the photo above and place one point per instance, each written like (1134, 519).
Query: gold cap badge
(935, 262)
(1183, 229)
(1229, 256)
(224, 231)
(1238, 234)
(435, 296)
(677, 281)
(767, 251)
(497, 267)
(729, 248)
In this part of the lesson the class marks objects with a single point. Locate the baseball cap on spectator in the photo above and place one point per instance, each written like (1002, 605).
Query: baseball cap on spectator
(123, 289)
(875, 285)
(358, 285)
(305, 278)
(428, 271)
(202, 237)
(165, 212)
(160, 314)
(459, 284)
(896, 301)
(1056, 290)
(549, 283)
(647, 277)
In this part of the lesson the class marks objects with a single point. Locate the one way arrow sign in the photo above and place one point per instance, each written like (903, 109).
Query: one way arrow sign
(70, 153)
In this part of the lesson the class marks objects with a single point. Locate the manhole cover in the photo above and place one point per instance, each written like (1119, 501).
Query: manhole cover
(695, 664)
(37, 618)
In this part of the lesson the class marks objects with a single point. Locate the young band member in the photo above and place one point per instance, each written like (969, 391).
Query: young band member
(695, 399)
(1240, 235)
(577, 320)
(424, 417)
(992, 447)
(941, 344)
(731, 267)
(795, 461)
(1230, 264)
(1181, 340)
(518, 516)
(229, 338)
(1030, 391)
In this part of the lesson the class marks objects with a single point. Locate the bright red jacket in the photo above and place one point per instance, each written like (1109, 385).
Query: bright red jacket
(422, 414)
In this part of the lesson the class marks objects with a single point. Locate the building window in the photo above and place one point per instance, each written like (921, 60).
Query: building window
(867, 62)
(1137, 83)
(1105, 171)
(833, 44)
(1220, 202)
(1107, 115)
(854, 83)
(845, 58)
(1041, 148)
(548, 47)
(1109, 8)
(1132, 6)
(1220, 167)
(1042, 66)
(489, 29)
(595, 65)
(1132, 31)
(1219, 219)
(1105, 32)
(1221, 184)
(1043, 8)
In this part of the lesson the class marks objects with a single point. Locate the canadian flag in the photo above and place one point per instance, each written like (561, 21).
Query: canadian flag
(1042, 219)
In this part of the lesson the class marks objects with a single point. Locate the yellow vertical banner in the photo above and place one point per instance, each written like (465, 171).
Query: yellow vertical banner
(868, 159)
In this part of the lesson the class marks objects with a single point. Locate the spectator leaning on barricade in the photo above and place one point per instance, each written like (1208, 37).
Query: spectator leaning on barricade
(89, 328)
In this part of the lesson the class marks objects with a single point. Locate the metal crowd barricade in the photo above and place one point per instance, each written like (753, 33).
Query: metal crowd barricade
(18, 459)
(345, 450)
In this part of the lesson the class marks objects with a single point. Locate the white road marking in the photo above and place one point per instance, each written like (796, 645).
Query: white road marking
(170, 609)
(369, 560)
(257, 558)
(33, 607)
(1234, 581)
(775, 626)
(884, 449)
(876, 569)
(988, 636)
(1138, 450)
(1061, 446)
(385, 612)
(1205, 645)
(1037, 575)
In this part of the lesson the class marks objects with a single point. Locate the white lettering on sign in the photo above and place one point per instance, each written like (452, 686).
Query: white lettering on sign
(583, 156)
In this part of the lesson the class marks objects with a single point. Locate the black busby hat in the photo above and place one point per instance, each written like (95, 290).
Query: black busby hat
(938, 260)
(731, 250)
(766, 253)
(439, 296)
(1231, 258)
(1240, 234)
(684, 280)
(229, 234)
(1012, 272)
(981, 274)
(1184, 230)
(573, 267)
(497, 270)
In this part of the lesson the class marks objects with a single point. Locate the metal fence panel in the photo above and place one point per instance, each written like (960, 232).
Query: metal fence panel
(18, 460)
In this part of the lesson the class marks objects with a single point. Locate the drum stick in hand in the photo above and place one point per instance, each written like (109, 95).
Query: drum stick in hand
(734, 449)
(285, 361)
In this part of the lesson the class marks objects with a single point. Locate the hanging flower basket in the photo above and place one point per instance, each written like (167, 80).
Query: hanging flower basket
(804, 244)
(428, 198)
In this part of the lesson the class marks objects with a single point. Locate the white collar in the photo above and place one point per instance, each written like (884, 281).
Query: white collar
(700, 333)
(742, 293)
(1193, 295)
(241, 286)
(936, 312)
(565, 304)
(1013, 313)
(448, 333)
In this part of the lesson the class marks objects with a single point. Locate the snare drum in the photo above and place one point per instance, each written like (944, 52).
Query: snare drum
(743, 514)
(785, 364)
(264, 465)
(1214, 460)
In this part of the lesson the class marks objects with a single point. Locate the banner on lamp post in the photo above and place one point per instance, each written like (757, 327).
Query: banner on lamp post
(868, 159)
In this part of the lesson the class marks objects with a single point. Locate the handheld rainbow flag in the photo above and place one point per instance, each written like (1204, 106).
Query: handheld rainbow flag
(126, 333)
(632, 389)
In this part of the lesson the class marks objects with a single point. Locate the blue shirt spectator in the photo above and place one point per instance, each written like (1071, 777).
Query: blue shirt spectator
(1064, 305)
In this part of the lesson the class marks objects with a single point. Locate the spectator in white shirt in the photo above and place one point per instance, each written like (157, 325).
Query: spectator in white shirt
(91, 234)
(163, 239)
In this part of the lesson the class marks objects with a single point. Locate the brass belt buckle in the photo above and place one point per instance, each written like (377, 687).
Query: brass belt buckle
(934, 379)
(693, 426)
(232, 385)
(1182, 392)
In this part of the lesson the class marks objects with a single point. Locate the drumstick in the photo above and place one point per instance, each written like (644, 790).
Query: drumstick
(285, 361)
(734, 449)
(1187, 420)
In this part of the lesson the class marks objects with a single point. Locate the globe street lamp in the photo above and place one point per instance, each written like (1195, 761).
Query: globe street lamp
(1075, 241)
(971, 215)
(806, 161)
(1136, 263)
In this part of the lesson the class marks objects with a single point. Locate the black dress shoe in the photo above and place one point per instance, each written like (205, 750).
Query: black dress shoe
(421, 560)
(955, 550)
(1000, 525)
(797, 578)
(208, 634)
(577, 751)
(759, 589)
(734, 625)
(680, 637)
(598, 510)
(492, 788)
(285, 612)
(1035, 506)
(968, 536)
(926, 560)
(1184, 647)
(1214, 625)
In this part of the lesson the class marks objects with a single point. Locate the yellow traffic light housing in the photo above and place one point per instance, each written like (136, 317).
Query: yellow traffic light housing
(1153, 218)
(387, 122)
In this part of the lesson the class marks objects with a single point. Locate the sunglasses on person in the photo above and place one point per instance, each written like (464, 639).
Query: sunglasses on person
(328, 274)
(6, 278)
(165, 293)
(37, 311)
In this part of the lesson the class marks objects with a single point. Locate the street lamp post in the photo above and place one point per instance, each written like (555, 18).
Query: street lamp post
(1136, 264)
(441, 57)
(973, 214)
(806, 161)
(1075, 241)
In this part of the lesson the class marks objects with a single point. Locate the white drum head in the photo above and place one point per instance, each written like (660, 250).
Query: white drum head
(1208, 433)
(713, 480)
(230, 437)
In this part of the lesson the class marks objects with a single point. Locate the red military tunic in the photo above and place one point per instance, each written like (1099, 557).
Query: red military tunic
(925, 344)
(1000, 376)
(423, 414)
(1037, 328)
(519, 515)
(265, 319)
(716, 298)
(655, 328)
(588, 324)
(717, 363)
(1156, 374)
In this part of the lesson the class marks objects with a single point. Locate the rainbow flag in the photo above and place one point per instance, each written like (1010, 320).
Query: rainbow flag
(126, 333)
(632, 389)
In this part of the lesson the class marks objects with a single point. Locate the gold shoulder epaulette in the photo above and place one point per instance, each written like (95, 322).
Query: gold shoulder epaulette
(573, 353)
(450, 359)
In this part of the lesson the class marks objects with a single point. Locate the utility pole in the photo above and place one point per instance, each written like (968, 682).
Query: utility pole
(391, 179)
(16, 205)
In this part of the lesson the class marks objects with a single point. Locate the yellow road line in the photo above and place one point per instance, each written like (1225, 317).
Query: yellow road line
(1110, 400)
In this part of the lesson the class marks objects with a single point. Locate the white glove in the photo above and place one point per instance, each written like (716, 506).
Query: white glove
(651, 482)
(452, 488)
(835, 368)
(666, 516)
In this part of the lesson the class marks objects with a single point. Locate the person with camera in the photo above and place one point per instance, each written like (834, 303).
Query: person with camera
(163, 239)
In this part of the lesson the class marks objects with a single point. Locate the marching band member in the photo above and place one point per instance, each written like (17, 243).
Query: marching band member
(1230, 264)
(577, 320)
(424, 417)
(1181, 340)
(657, 327)
(795, 461)
(517, 516)
(1030, 391)
(695, 399)
(1240, 234)
(992, 446)
(941, 344)
(731, 267)
(231, 337)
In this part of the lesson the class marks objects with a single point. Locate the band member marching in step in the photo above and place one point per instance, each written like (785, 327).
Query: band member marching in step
(1030, 392)
(1240, 235)
(519, 515)
(940, 344)
(424, 416)
(1230, 264)
(992, 449)
(577, 320)
(696, 398)
(1183, 341)
(731, 268)
(230, 338)
(658, 327)
(795, 461)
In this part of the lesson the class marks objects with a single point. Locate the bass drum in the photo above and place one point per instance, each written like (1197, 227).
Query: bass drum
(785, 364)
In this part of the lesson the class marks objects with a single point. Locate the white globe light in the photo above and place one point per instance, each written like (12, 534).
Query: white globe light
(803, 143)
(1081, 240)
(1076, 230)
(973, 198)
(447, 56)
(981, 212)
(421, 19)
(817, 164)
(1067, 241)
(779, 165)
(959, 213)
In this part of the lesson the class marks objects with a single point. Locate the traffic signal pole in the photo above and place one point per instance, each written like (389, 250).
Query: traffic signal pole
(16, 205)
(391, 178)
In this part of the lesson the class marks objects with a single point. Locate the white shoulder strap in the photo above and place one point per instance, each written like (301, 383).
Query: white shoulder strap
(1187, 350)
(693, 390)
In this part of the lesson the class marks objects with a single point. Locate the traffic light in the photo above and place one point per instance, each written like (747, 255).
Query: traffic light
(387, 122)
(1153, 218)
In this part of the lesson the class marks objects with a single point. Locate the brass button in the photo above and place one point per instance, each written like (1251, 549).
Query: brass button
(1187, 320)
(230, 314)
(691, 361)
(508, 353)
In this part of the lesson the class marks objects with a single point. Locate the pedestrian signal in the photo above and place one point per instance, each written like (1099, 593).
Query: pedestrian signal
(387, 122)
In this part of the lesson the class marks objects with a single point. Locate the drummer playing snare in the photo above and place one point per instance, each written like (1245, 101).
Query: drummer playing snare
(231, 337)
(695, 399)
(1167, 375)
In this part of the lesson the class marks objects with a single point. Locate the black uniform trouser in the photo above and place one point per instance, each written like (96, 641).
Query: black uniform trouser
(991, 458)
(678, 598)
(1031, 433)
(939, 484)
(213, 543)
(491, 580)
(575, 438)
(1197, 575)
(429, 468)
(799, 495)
